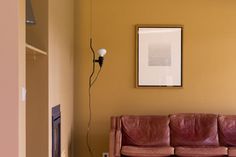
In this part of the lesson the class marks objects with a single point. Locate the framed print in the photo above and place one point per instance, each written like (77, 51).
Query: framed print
(159, 55)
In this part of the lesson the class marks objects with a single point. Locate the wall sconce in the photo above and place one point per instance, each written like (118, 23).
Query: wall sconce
(101, 52)
(93, 77)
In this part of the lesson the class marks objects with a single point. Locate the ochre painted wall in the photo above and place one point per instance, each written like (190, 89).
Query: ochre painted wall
(209, 66)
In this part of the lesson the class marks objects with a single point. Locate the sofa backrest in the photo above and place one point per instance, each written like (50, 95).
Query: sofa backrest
(227, 130)
(193, 130)
(145, 130)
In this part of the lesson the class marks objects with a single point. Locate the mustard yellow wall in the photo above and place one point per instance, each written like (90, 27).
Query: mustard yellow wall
(209, 62)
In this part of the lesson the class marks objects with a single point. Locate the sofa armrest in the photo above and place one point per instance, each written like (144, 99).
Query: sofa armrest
(118, 139)
(112, 137)
(115, 137)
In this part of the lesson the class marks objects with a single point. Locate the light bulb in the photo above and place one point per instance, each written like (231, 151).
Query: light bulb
(102, 52)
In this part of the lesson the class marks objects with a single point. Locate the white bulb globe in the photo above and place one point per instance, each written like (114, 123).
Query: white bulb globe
(102, 52)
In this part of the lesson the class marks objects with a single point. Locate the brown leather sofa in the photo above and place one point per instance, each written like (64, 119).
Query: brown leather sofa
(185, 135)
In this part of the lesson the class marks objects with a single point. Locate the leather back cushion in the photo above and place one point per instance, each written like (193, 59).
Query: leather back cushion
(145, 130)
(227, 130)
(194, 130)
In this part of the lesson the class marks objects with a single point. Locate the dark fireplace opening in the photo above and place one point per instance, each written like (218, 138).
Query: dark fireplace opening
(56, 131)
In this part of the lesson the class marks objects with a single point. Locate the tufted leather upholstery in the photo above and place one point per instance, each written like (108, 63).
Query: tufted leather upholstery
(227, 130)
(183, 135)
(145, 130)
(194, 130)
(147, 151)
(232, 151)
(200, 151)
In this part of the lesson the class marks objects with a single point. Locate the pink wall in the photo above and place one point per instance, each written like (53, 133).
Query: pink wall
(9, 78)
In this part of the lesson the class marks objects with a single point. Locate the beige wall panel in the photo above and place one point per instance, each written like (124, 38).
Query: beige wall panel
(208, 62)
(61, 87)
(37, 35)
(22, 81)
(37, 106)
(11, 48)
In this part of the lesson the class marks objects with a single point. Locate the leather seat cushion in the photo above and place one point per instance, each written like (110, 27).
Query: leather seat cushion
(194, 130)
(145, 130)
(227, 130)
(200, 151)
(232, 151)
(134, 151)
